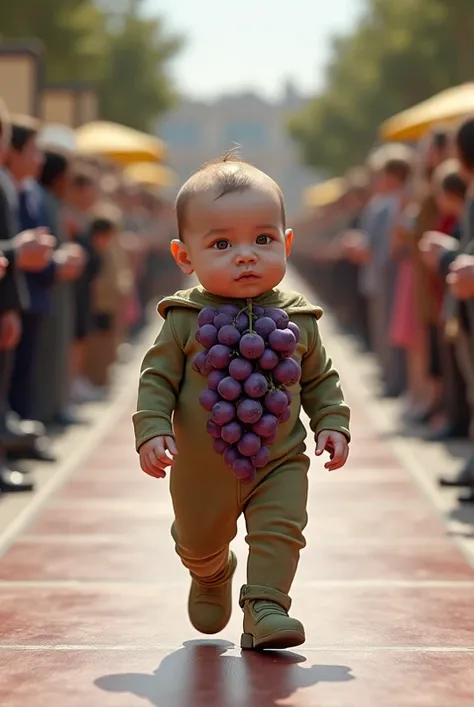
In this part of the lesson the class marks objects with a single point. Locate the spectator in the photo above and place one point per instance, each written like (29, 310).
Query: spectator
(31, 252)
(52, 383)
(448, 253)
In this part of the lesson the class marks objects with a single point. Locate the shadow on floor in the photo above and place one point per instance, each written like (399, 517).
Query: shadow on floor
(201, 675)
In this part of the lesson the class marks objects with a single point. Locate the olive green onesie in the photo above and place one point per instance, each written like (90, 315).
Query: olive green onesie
(207, 498)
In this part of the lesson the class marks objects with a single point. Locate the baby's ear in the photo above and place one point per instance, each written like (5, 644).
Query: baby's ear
(181, 255)
(288, 241)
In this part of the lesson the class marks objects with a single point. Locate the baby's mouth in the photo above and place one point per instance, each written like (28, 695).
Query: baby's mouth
(248, 276)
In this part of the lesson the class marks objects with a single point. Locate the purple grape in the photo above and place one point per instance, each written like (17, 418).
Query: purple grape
(268, 441)
(279, 316)
(207, 336)
(252, 346)
(276, 401)
(208, 399)
(264, 327)
(232, 432)
(283, 341)
(230, 455)
(268, 360)
(206, 316)
(213, 429)
(249, 444)
(247, 480)
(219, 356)
(288, 372)
(229, 389)
(259, 311)
(266, 426)
(261, 458)
(231, 309)
(200, 360)
(256, 385)
(249, 412)
(295, 329)
(287, 393)
(240, 369)
(285, 415)
(228, 335)
(221, 320)
(241, 322)
(223, 412)
(243, 468)
(220, 446)
(214, 378)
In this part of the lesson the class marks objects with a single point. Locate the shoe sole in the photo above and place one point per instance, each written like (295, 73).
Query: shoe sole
(276, 641)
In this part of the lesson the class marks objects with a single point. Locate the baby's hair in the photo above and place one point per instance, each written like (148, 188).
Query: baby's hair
(226, 175)
(448, 177)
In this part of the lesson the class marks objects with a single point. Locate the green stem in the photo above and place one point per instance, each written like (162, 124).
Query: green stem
(250, 308)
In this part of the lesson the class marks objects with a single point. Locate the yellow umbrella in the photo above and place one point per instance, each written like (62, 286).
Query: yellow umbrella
(325, 193)
(444, 107)
(150, 174)
(118, 142)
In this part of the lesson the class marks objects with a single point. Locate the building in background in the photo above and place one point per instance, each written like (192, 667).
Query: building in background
(197, 132)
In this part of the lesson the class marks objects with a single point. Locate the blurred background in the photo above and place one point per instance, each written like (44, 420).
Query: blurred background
(349, 105)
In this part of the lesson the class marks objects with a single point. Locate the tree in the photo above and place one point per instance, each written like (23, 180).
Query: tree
(72, 31)
(136, 87)
(399, 54)
(109, 43)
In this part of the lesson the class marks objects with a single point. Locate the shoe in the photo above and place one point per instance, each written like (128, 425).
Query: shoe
(463, 478)
(14, 481)
(84, 392)
(210, 607)
(65, 419)
(468, 497)
(22, 426)
(266, 621)
(445, 434)
(40, 451)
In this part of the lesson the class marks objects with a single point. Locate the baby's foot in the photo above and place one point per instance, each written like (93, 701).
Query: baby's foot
(210, 606)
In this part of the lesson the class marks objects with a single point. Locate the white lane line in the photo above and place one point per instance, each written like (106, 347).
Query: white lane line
(348, 584)
(78, 455)
(311, 648)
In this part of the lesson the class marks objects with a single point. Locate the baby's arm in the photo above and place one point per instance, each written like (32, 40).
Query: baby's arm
(160, 380)
(323, 400)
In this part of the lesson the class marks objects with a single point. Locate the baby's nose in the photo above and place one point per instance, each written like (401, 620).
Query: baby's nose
(246, 256)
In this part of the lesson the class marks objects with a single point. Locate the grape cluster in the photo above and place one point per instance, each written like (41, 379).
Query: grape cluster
(248, 365)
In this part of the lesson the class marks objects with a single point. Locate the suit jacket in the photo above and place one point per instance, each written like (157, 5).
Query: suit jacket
(462, 311)
(13, 294)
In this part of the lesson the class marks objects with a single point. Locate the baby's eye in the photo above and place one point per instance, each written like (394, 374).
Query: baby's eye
(222, 244)
(263, 239)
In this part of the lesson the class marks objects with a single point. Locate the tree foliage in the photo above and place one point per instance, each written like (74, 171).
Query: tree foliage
(401, 52)
(109, 43)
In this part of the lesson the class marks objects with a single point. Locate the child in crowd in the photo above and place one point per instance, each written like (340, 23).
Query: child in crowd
(233, 237)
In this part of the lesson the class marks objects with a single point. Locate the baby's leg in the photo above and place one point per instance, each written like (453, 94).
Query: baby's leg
(206, 512)
(275, 513)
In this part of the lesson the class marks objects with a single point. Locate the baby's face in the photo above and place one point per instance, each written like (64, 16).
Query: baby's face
(235, 244)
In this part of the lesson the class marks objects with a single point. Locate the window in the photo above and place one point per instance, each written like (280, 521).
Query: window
(248, 134)
(181, 134)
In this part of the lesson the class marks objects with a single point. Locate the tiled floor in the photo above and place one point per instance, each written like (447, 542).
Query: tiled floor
(93, 598)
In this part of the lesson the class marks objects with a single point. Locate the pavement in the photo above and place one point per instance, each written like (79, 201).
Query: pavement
(93, 598)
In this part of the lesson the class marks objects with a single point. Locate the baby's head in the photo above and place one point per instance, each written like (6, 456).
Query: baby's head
(232, 231)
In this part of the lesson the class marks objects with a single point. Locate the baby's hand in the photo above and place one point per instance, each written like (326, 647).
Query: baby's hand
(156, 455)
(338, 447)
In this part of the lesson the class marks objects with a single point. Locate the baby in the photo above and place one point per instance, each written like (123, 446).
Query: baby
(233, 236)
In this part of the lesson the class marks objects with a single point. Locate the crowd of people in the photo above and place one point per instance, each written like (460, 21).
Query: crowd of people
(82, 252)
(394, 257)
